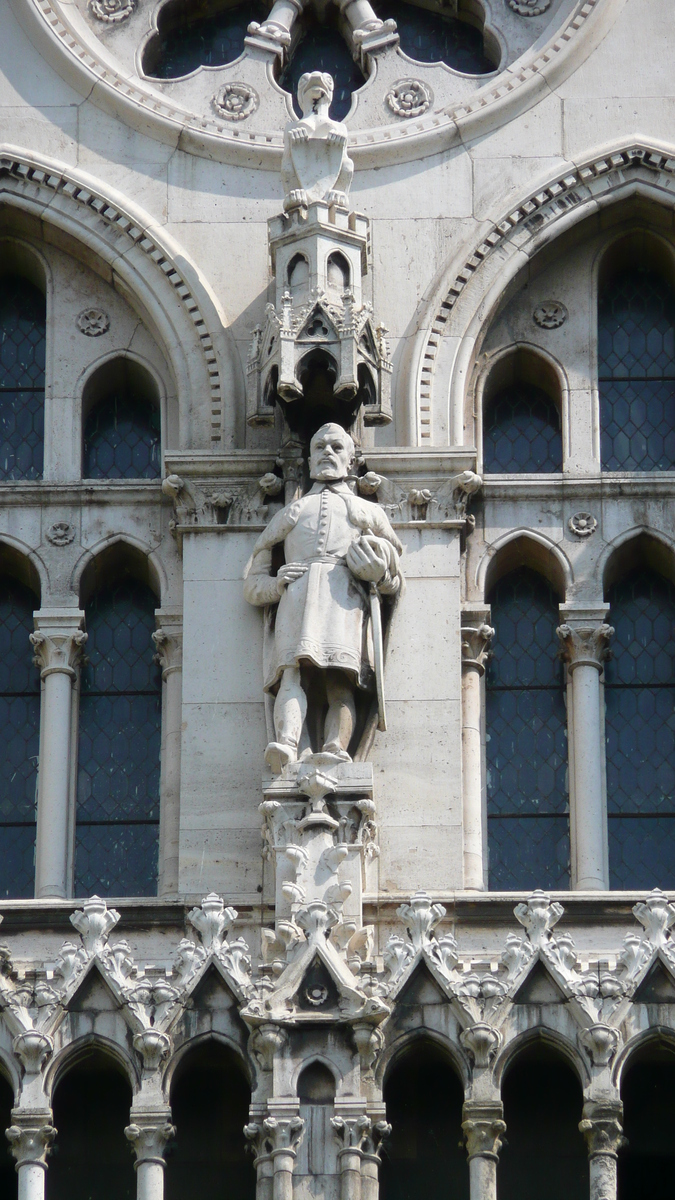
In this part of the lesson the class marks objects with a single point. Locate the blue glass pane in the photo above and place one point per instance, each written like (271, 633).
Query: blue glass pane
(522, 432)
(22, 379)
(636, 372)
(640, 731)
(191, 37)
(524, 854)
(20, 724)
(433, 37)
(122, 439)
(322, 48)
(526, 739)
(119, 746)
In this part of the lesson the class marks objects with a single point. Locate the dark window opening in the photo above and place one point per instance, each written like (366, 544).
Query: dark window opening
(522, 431)
(636, 371)
(9, 1181)
(316, 1093)
(209, 1104)
(117, 820)
(528, 810)
(431, 37)
(22, 378)
(199, 33)
(647, 1163)
(424, 1159)
(544, 1152)
(640, 732)
(91, 1156)
(321, 47)
(122, 425)
(20, 716)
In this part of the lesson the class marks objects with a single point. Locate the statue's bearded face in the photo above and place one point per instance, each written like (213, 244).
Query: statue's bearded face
(330, 454)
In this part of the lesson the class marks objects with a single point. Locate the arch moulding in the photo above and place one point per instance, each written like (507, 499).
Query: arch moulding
(143, 262)
(471, 289)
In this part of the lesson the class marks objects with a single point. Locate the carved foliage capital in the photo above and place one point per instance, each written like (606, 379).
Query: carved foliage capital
(483, 1127)
(169, 643)
(284, 1134)
(600, 1042)
(148, 1137)
(586, 646)
(603, 1133)
(33, 1048)
(58, 650)
(476, 644)
(30, 1141)
(482, 1043)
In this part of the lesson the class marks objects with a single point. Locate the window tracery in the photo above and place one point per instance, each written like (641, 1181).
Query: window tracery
(22, 378)
(119, 741)
(528, 821)
(522, 431)
(640, 731)
(122, 426)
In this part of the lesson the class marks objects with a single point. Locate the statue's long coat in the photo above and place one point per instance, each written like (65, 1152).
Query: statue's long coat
(322, 617)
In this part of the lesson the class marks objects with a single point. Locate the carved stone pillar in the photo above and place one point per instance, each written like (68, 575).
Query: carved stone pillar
(168, 639)
(149, 1133)
(58, 642)
(284, 1135)
(349, 1135)
(584, 639)
(483, 1127)
(30, 1137)
(370, 1159)
(603, 1132)
(261, 1148)
(476, 636)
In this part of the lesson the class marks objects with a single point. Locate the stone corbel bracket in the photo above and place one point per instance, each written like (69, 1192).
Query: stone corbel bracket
(423, 489)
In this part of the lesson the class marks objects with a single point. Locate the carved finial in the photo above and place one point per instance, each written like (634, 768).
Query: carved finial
(213, 922)
(94, 922)
(538, 916)
(421, 917)
(656, 915)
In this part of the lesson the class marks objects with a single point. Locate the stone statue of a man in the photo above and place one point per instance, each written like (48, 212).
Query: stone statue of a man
(336, 547)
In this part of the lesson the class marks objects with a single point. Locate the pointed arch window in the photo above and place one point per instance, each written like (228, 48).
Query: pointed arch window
(117, 820)
(636, 370)
(522, 431)
(22, 378)
(527, 790)
(20, 722)
(122, 423)
(640, 731)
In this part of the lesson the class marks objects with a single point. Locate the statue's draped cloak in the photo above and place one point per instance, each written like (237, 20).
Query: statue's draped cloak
(322, 617)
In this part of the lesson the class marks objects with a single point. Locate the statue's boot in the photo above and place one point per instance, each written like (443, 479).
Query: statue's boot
(278, 755)
(335, 752)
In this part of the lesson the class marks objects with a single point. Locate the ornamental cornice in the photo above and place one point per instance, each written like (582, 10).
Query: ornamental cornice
(82, 59)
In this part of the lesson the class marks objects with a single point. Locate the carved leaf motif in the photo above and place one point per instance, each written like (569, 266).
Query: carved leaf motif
(421, 917)
(93, 922)
(213, 921)
(656, 915)
(538, 916)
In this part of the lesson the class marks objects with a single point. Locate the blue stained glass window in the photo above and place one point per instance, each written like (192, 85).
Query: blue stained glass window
(122, 439)
(20, 717)
(192, 35)
(636, 372)
(118, 770)
(431, 37)
(322, 48)
(22, 378)
(528, 810)
(522, 432)
(640, 731)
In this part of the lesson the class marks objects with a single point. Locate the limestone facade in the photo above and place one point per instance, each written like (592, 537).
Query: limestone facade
(339, 910)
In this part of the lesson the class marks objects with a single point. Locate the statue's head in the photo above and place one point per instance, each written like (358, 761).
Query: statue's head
(314, 89)
(331, 451)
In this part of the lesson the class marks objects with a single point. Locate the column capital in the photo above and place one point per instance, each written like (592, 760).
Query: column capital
(584, 642)
(148, 1133)
(483, 1126)
(477, 633)
(58, 640)
(602, 1128)
(30, 1137)
(168, 639)
(284, 1134)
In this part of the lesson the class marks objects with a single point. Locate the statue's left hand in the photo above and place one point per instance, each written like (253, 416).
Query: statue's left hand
(337, 139)
(366, 559)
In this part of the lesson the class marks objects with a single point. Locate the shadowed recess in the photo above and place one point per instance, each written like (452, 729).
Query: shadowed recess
(196, 33)
(647, 1163)
(91, 1158)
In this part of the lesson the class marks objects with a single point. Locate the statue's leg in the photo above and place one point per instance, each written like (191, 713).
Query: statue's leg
(341, 716)
(290, 708)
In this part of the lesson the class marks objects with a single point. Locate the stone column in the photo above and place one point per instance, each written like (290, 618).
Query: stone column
(58, 642)
(261, 1148)
(350, 1133)
(168, 639)
(370, 1160)
(584, 641)
(284, 1135)
(483, 1126)
(148, 1135)
(30, 1137)
(476, 637)
(603, 1132)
